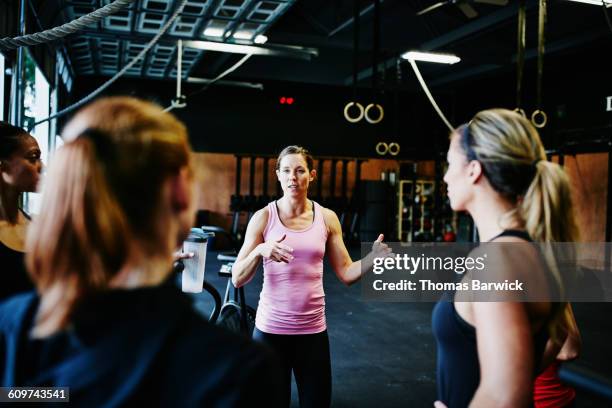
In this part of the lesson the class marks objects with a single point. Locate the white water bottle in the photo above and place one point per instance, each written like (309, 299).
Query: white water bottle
(193, 273)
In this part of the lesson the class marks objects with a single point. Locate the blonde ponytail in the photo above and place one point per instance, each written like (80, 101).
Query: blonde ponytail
(88, 247)
(102, 194)
(514, 162)
(547, 207)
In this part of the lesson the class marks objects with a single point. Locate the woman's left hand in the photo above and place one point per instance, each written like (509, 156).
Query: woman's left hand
(439, 404)
(379, 248)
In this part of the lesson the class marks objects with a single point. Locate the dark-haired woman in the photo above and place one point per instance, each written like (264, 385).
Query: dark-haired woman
(20, 168)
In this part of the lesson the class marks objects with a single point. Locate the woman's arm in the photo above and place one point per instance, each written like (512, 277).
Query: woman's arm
(573, 342)
(254, 248)
(505, 353)
(346, 270)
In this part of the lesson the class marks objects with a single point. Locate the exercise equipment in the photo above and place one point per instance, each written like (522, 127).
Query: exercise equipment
(373, 112)
(343, 203)
(538, 117)
(250, 203)
(234, 314)
(319, 196)
(264, 198)
(360, 110)
(243, 205)
(355, 206)
(375, 106)
(236, 201)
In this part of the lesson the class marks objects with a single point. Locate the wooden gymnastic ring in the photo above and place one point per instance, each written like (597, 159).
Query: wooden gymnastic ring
(539, 113)
(384, 146)
(380, 116)
(521, 112)
(393, 152)
(356, 118)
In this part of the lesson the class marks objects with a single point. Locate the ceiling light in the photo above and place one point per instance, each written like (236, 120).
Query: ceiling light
(431, 57)
(595, 2)
(260, 39)
(242, 35)
(213, 32)
(291, 51)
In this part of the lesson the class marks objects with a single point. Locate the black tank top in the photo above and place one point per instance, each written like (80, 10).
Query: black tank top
(13, 276)
(458, 370)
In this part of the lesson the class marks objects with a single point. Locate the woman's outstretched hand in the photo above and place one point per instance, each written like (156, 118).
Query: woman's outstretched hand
(379, 248)
(276, 250)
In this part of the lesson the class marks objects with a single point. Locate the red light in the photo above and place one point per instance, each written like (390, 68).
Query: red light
(289, 100)
(283, 99)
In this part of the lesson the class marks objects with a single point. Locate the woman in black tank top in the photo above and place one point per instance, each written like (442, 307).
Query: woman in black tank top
(489, 352)
(20, 168)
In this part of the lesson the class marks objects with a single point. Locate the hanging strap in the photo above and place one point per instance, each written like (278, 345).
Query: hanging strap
(541, 26)
(354, 103)
(520, 54)
(376, 49)
(355, 47)
(375, 106)
(539, 118)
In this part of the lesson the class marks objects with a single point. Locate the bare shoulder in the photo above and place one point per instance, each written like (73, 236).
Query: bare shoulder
(331, 220)
(509, 238)
(515, 248)
(259, 220)
(329, 216)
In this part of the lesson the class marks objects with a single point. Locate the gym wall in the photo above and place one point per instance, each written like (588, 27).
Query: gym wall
(589, 177)
(216, 175)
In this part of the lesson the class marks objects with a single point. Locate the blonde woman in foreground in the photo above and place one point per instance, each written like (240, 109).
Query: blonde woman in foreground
(106, 320)
(489, 353)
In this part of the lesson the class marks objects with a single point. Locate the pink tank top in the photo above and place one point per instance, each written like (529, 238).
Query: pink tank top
(292, 300)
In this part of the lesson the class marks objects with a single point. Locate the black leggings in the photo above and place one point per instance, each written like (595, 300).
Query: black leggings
(308, 356)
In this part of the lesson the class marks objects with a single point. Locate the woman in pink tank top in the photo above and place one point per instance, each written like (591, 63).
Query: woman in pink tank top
(291, 236)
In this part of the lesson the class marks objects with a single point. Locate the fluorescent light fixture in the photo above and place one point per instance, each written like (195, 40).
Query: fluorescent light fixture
(261, 39)
(248, 35)
(213, 32)
(291, 51)
(594, 2)
(242, 35)
(431, 57)
(215, 28)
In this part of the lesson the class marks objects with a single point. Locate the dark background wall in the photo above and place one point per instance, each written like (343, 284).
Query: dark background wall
(226, 120)
(238, 120)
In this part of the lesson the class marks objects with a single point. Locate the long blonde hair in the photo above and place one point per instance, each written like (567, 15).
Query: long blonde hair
(103, 190)
(515, 164)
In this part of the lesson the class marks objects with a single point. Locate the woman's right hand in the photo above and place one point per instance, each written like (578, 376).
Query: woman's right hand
(276, 250)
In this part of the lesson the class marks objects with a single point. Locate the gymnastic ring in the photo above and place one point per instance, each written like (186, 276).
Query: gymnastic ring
(539, 113)
(356, 118)
(382, 148)
(394, 149)
(521, 112)
(380, 116)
